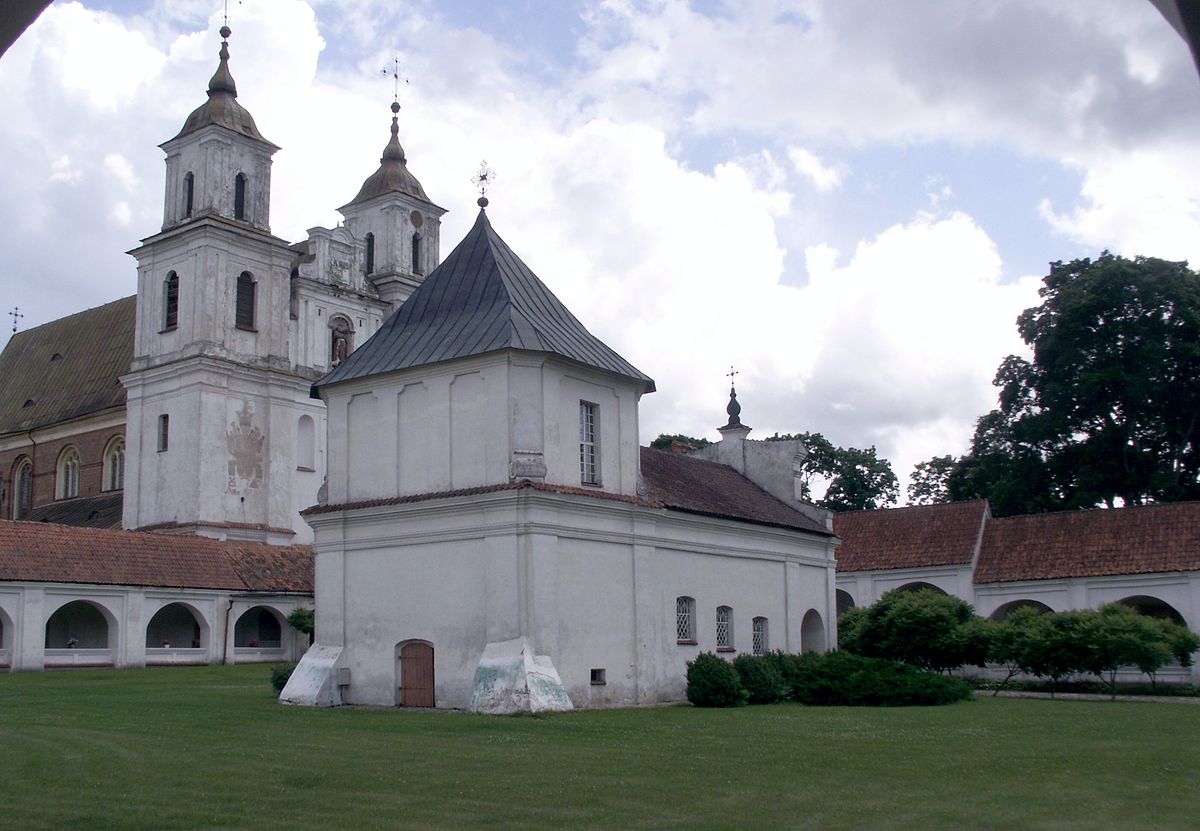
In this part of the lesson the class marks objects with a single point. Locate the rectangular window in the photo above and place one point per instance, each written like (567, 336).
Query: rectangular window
(760, 645)
(598, 679)
(589, 474)
(164, 431)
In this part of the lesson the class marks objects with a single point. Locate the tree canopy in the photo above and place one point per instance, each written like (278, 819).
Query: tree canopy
(1107, 410)
(857, 479)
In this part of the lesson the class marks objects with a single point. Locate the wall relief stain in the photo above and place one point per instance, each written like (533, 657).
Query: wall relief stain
(245, 444)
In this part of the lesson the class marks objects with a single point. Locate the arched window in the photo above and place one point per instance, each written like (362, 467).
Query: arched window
(170, 301)
(22, 489)
(244, 311)
(305, 443)
(760, 643)
(370, 253)
(416, 254)
(189, 187)
(685, 619)
(114, 465)
(67, 481)
(724, 628)
(239, 196)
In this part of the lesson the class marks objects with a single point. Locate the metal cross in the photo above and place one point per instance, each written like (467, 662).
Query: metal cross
(15, 314)
(396, 79)
(732, 372)
(226, 13)
(484, 178)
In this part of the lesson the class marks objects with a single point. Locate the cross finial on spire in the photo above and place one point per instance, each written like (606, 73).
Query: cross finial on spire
(734, 409)
(732, 372)
(482, 181)
(16, 315)
(396, 79)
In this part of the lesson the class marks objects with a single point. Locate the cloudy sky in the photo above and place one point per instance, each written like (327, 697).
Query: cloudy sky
(849, 200)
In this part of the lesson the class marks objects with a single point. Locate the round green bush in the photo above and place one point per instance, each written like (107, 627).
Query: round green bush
(713, 682)
(760, 678)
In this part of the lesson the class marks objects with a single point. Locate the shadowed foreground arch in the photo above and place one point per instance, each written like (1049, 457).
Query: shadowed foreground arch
(259, 627)
(80, 624)
(812, 632)
(844, 602)
(1151, 606)
(1004, 610)
(919, 585)
(176, 625)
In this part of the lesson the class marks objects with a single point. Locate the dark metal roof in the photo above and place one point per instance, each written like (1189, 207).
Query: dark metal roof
(222, 108)
(67, 368)
(393, 174)
(99, 511)
(481, 299)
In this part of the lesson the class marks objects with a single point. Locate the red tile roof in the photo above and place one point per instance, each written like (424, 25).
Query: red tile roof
(675, 482)
(919, 536)
(1153, 538)
(41, 552)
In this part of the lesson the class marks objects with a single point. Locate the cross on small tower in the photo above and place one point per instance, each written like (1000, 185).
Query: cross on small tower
(396, 79)
(732, 372)
(16, 315)
(483, 180)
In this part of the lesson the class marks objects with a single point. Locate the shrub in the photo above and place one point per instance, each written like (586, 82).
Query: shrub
(841, 678)
(760, 677)
(923, 628)
(280, 676)
(713, 682)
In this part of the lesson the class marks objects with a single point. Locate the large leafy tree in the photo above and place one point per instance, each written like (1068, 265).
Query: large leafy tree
(857, 479)
(1107, 411)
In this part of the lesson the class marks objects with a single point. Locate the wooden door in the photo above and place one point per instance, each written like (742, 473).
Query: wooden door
(416, 675)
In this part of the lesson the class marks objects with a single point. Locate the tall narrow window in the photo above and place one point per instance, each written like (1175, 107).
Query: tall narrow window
(189, 186)
(370, 253)
(416, 254)
(588, 473)
(685, 619)
(724, 629)
(164, 432)
(760, 644)
(239, 197)
(114, 465)
(244, 312)
(23, 489)
(68, 474)
(171, 301)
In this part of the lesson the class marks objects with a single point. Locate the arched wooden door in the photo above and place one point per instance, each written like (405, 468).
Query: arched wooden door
(416, 675)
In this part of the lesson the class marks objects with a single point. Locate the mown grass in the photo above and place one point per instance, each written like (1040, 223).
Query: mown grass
(210, 748)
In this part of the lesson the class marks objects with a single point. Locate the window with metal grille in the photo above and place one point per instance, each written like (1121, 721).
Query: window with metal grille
(189, 187)
(724, 627)
(68, 474)
(685, 619)
(588, 472)
(23, 483)
(244, 313)
(370, 254)
(164, 432)
(416, 255)
(760, 644)
(171, 301)
(239, 197)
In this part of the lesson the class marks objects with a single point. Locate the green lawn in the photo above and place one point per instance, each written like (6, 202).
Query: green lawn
(210, 748)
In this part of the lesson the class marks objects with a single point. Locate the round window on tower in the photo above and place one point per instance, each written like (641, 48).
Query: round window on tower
(417, 219)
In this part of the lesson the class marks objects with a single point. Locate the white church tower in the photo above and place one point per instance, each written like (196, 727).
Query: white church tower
(217, 413)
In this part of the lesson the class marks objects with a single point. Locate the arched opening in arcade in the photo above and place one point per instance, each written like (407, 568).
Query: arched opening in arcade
(176, 631)
(1004, 610)
(259, 628)
(80, 633)
(919, 585)
(6, 636)
(844, 602)
(812, 632)
(1150, 606)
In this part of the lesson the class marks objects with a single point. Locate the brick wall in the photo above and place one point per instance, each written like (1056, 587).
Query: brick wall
(90, 444)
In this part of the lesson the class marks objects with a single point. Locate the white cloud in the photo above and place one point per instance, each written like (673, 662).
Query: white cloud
(809, 164)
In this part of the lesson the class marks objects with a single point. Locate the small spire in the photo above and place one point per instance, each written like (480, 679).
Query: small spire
(394, 152)
(734, 409)
(482, 180)
(16, 314)
(222, 81)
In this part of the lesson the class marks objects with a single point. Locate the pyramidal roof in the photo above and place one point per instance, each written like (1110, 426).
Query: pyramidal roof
(481, 299)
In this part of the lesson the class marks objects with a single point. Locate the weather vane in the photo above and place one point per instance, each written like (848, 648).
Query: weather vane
(483, 180)
(396, 79)
(16, 315)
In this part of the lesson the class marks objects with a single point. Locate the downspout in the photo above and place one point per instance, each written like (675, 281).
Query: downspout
(225, 635)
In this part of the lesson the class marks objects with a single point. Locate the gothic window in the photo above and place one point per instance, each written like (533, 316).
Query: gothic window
(305, 441)
(23, 489)
(370, 253)
(164, 432)
(760, 644)
(114, 465)
(341, 335)
(171, 301)
(67, 480)
(416, 254)
(724, 628)
(189, 185)
(588, 471)
(239, 197)
(685, 619)
(244, 312)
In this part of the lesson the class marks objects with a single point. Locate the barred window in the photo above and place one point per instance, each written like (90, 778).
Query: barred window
(189, 187)
(164, 432)
(244, 310)
(417, 268)
(588, 472)
(239, 196)
(760, 644)
(724, 627)
(685, 619)
(171, 301)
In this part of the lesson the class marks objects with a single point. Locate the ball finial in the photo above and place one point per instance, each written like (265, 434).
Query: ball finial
(482, 201)
(395, 107)
(226, 32)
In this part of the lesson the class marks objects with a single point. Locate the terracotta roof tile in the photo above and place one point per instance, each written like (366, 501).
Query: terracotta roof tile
(1153, 538)
(918, 536)
(36, 551)
(93, 348)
